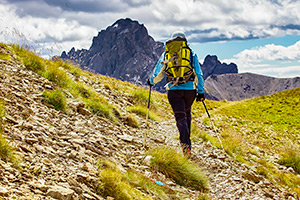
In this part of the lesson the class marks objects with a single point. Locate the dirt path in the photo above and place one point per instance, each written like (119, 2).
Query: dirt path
(227, 178)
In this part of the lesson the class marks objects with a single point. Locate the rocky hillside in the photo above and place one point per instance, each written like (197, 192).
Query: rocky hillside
(59, 150)
(235, 87)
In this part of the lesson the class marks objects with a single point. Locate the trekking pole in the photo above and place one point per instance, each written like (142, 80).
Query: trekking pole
(147, 116)
(213, 125)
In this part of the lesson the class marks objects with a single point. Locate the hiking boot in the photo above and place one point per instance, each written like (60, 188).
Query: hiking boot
(187, 152)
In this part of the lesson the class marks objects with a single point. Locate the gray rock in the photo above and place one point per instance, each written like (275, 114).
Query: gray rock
(60, 193)
(4, 192)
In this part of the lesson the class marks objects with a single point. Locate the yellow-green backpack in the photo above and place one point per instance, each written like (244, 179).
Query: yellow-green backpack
(178, 59)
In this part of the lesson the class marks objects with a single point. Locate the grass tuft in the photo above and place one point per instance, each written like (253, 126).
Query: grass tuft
(291, 158)
(132, 120)
(7, 152)
(29, 59)
(122, 185)
(176, 166)
(100, 107)
(56, 75)
(142, 111)
(55, 98)
(141, 96)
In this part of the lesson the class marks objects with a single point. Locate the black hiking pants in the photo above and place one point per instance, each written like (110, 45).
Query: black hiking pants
(181, 102)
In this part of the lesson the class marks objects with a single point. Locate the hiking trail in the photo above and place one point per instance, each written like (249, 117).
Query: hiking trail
(228, 179)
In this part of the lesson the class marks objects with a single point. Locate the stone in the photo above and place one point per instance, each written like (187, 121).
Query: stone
(251, 176)
(147, 160)
(4, 192)
(60, 193)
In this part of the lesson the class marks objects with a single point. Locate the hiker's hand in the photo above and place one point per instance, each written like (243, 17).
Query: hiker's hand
(148, 82)
(200, 97)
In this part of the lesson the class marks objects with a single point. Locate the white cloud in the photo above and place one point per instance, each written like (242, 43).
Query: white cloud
(61, 24)
(270, 52)
(271, 59)
(57, 34)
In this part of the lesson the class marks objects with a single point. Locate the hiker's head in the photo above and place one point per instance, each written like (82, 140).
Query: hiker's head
(178, 34)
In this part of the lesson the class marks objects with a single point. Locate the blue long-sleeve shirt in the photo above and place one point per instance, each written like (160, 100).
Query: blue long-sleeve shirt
(198, 83)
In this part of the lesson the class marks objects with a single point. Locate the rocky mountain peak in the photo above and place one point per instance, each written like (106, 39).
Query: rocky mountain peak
(124, 32)
(123, 50)
(212, 65)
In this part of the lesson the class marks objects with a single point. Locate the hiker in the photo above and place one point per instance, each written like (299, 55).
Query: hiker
(184, 83)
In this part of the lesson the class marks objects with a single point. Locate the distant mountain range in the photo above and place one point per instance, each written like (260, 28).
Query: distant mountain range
(234, 87)
(126, 51)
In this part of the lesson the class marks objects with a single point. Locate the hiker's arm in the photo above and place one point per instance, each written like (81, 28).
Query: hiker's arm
(159, 71)
(198, 71)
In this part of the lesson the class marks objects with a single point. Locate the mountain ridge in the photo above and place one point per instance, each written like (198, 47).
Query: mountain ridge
(235, 87)
(125, 51)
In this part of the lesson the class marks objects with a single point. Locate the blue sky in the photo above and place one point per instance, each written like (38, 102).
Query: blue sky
(260, 36)
(227, 50)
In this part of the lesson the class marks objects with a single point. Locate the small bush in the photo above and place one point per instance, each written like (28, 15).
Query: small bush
(175, 165)
(55, 98)
(4, 57)
(233, 145)
(138, 180)
(107, 86)
(291, 159)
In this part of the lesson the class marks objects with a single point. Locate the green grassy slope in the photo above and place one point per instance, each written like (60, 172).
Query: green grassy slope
(253, 130)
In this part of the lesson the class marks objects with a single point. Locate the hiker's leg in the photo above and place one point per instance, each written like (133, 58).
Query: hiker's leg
(177, 102)
(189, 98)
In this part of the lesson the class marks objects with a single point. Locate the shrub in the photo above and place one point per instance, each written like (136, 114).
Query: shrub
(176, 166)
(82, 90)
(6, 151)
(55, 98)
(4, 57)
